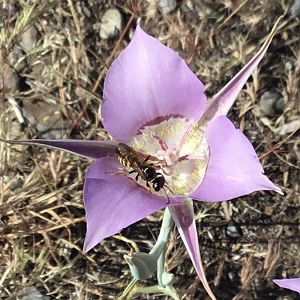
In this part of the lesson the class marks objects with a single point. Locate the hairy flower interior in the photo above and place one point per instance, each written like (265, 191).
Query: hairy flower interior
(178, 151)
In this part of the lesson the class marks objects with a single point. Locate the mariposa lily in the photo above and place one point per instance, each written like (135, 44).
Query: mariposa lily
(155, 104)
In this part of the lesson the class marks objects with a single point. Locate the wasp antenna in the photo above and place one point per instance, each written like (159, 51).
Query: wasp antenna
(169, 189)
(168, 202)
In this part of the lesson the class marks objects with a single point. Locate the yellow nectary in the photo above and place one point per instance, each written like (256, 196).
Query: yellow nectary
(181, 149)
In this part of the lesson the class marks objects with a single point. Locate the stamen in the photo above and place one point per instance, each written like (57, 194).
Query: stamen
(161, 142)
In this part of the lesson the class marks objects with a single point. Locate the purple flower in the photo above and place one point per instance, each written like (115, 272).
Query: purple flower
(154, 103)
(292, 284)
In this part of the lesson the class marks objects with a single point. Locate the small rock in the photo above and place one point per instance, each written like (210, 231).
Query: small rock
(167, 6)
(296, 149)
(288, 128)
(203, 8)
(45, 118)
(110, 24)
(32, 293)
(12, 129)
(271, 104)
(190, 4)
(233, 230)
(85, 10)
(9, 8)
(288, 66)
(29, 38)
(39, 68)
(295, 9)
(16, 183)
(9, 79)
(16, 59)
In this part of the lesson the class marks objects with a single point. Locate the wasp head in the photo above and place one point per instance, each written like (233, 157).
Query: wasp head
(158, 182)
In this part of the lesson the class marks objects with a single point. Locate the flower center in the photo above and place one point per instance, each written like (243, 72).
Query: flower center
(181, 153)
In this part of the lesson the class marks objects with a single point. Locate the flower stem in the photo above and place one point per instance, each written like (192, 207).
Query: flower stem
(159, 253)
(161, 243)
(161, 266)
(165, 230)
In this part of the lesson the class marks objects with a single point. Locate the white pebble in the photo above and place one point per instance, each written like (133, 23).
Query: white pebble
(110, 24)
(29, 38)
(167, 6)
(295, 9)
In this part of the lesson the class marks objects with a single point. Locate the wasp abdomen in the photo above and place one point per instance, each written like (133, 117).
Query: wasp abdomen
(125, 160)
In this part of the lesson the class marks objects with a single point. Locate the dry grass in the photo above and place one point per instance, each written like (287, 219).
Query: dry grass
(59, 95)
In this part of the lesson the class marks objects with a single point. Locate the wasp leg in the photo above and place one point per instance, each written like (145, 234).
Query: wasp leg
(134, 171)
(151, 164)
(168, 202)
(169, 189)
(147, 184)
(146, 159)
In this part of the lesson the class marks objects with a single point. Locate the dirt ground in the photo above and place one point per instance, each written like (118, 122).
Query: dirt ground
(53, 63)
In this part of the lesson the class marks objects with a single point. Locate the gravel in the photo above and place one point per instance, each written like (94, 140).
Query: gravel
(271, 104)
(111, 24)
(167, 6)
